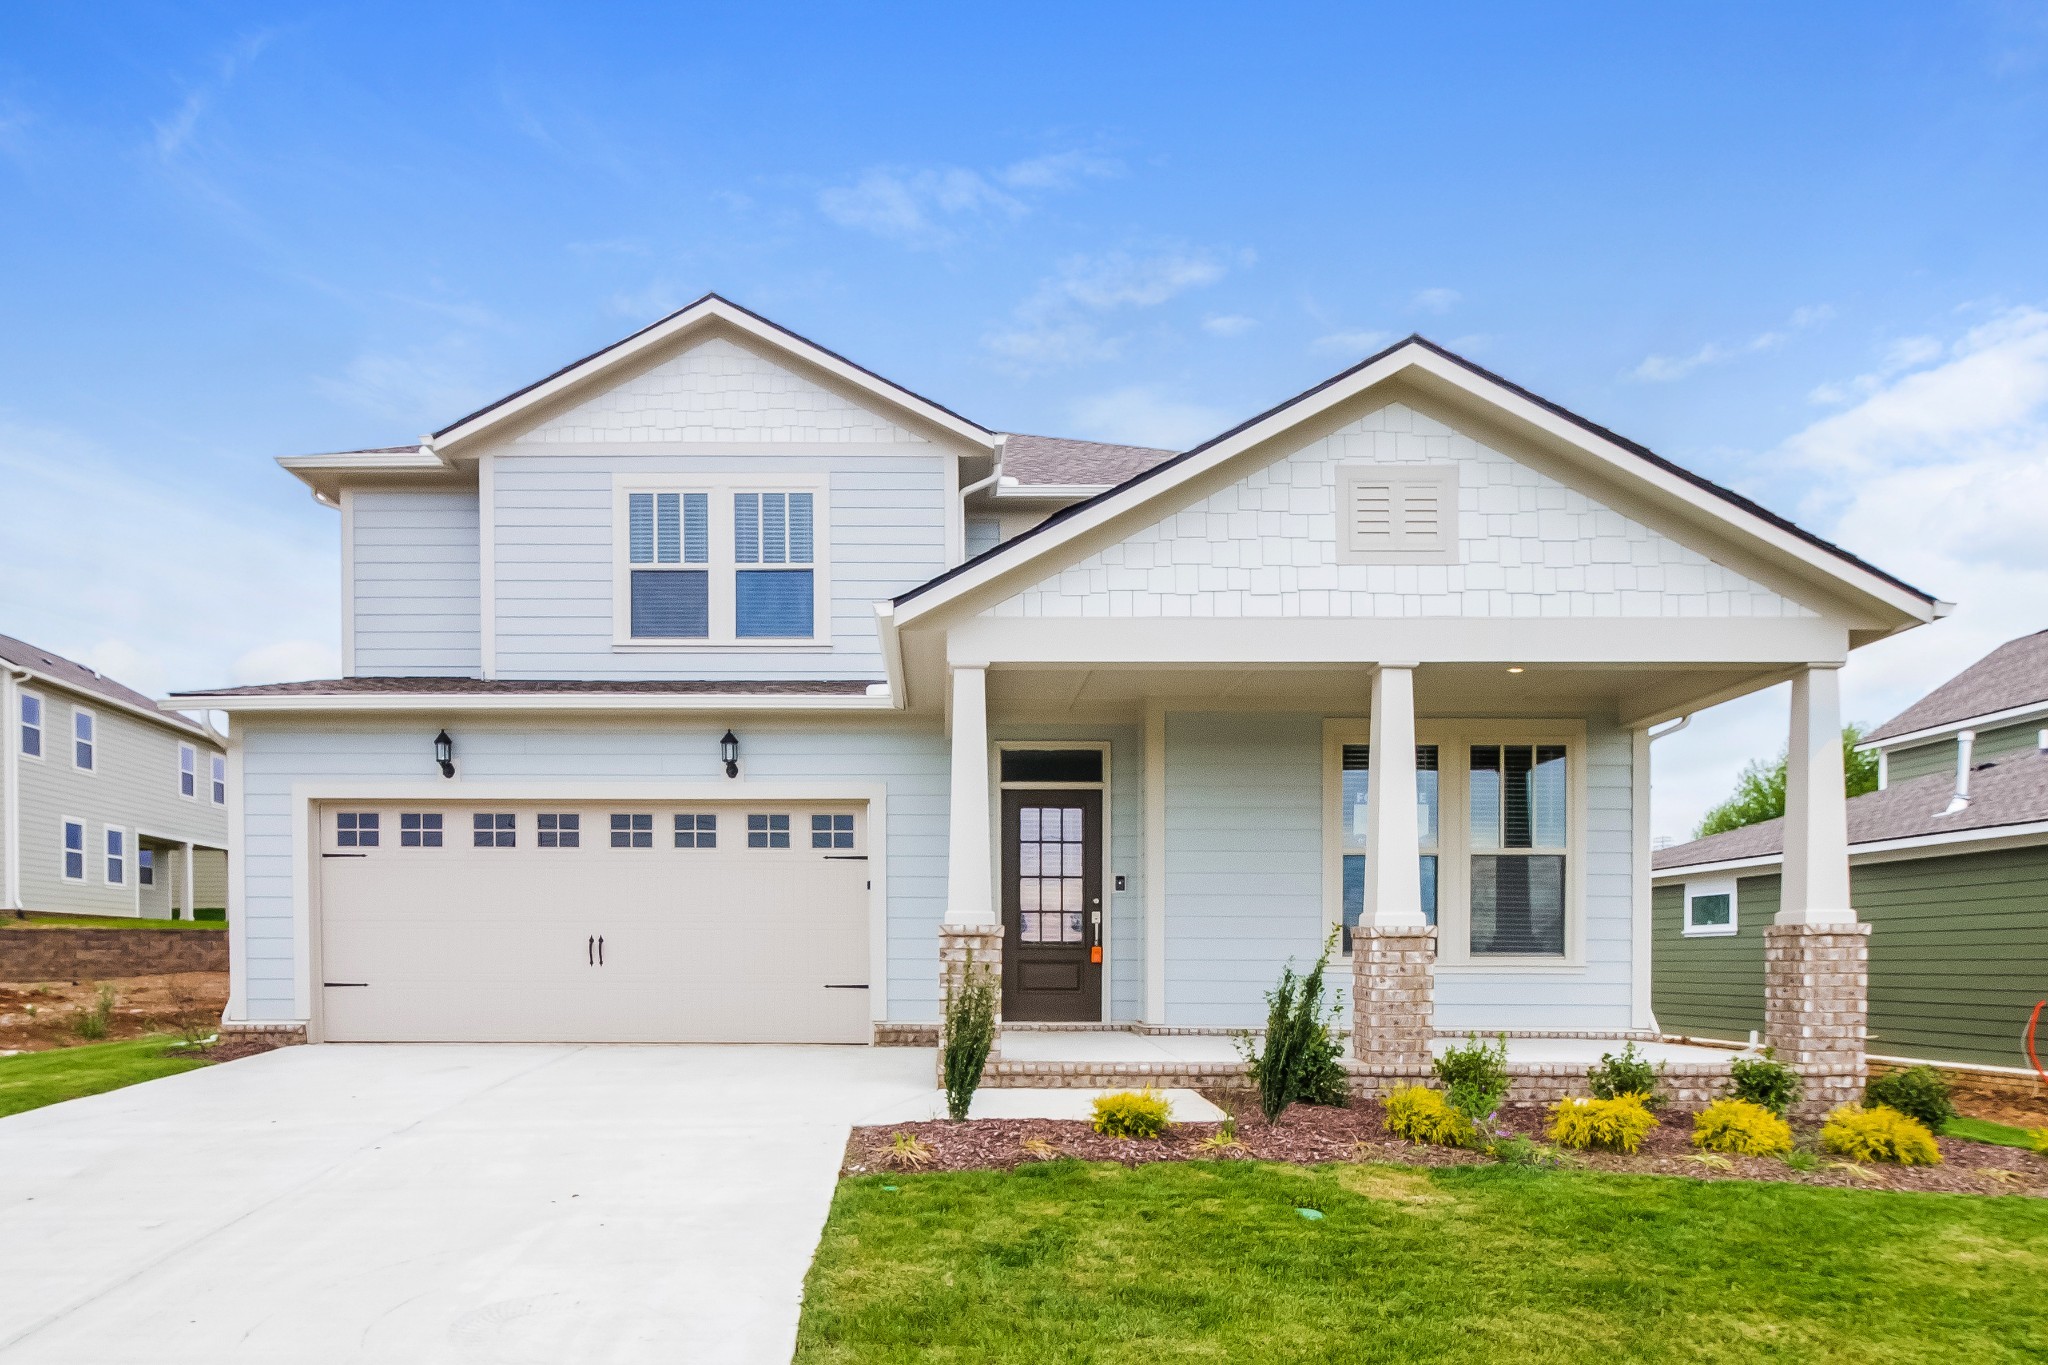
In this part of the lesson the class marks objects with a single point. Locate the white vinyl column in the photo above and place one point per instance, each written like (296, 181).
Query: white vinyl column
(1393, 872)
(1816, 886)
(185, 880)
(969, 872)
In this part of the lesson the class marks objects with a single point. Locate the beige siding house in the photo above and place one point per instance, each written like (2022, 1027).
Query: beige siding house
(110, 806)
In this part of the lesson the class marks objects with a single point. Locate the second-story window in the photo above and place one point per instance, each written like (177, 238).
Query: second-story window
(31, 725)
(669, 548)
(772, 551)
(719, 565)
(220, 780)
(84, 733)
(188, 770)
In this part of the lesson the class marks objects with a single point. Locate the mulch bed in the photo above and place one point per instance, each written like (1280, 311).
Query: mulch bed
(1309, 1134)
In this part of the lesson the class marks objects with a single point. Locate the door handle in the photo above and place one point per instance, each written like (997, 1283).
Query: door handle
(600, 950)
(590, 950)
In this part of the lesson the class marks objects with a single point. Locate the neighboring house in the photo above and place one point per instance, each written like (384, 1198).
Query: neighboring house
(738, 737)
(109, 805)
(1948, 863)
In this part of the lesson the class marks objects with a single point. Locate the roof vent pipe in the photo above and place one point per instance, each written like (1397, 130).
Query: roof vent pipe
(1966, 745)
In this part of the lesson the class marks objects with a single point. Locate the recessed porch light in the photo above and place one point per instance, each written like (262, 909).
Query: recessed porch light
(1514, 668)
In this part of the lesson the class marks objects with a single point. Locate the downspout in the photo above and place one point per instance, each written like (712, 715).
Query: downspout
(10, 788)
(1966, 748)
(995, 476)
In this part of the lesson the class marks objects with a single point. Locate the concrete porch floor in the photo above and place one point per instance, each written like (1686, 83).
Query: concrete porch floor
(1110, 1045)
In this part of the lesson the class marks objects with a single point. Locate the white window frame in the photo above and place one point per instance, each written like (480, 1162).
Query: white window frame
(64, 824)
(188, 766)
(107, 856)
(721, 566)
(1712, 886)
(217, 778)
(145, 866)
(93, 722)
(41, 727)
(1443, 477)
(1454, 739)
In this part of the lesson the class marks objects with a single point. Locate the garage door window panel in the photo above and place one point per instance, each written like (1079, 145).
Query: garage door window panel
(831, 831)
(556, 829)
(419, 829)
(696, 831)
(355, 829)
(767, 831)
(632, 831)
(494, 829)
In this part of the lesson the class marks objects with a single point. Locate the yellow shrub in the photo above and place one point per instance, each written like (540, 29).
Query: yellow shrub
(1878, 1134)
(2038, 1137)
(1618, 1125)
(1132, 1114)
(1419, 1114)
(1740, 1127)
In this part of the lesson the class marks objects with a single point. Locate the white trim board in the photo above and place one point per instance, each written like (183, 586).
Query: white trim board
(878, 703)
(1990, 720)
(1984, 840)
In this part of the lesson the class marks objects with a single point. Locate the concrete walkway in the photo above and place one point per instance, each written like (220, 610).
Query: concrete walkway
(507, 1204)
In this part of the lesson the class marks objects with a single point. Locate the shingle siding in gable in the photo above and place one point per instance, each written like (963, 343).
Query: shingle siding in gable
(1267, 546)
(414, 592)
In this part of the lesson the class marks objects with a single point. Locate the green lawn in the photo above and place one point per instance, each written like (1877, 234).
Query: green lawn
(1210, 1261)
(35, 1079)
(1984, 1130)
(36, 921)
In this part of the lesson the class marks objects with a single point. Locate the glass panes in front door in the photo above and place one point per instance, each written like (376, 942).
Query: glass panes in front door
(1049, 874)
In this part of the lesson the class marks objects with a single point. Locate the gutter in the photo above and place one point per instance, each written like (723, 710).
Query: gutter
(334, 702)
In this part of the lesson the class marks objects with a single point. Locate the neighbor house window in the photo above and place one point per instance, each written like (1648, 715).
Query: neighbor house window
(772, 549)
(84, 729)
(145, 867)
(767, 831)
(831, 831)
(1355, 786)
(74, 850)
(220, 780)
(696, 831)
(355, 829)
(31, 725)
(117, 857)
(494, 829)
(1518, 798)
(188, 770)
(669, 552)
(419, 829)
(558, 830)
(632, 831)
(1710, 909)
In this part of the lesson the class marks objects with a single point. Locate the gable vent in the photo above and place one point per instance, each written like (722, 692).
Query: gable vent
(1398, 514)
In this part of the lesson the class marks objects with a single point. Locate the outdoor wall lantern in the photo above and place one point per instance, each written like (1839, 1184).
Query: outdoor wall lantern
(444, 753)
(729, 750)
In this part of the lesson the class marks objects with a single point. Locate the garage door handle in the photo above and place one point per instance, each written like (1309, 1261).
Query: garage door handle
(600, 950)
(590, 950)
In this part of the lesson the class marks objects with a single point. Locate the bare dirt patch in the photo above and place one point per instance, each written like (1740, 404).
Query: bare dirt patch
(38, 1015)
(1309, 1135)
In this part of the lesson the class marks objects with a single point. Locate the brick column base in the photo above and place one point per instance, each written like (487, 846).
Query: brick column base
(1816, 981)
(1393, 997)
(984, 943)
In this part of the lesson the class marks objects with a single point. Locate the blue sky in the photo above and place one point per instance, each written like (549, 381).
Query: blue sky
(1797, 248)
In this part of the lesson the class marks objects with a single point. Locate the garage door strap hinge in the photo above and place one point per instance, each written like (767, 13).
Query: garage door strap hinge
(846, 857)
(344, 983)
(861, 987)
(344, 855)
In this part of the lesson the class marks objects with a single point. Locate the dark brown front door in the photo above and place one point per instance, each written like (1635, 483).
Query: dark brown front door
(1052, 906)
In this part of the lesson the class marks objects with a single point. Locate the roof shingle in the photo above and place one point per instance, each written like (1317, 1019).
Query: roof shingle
(2014, 674)
(72, 674)
(1087, 464)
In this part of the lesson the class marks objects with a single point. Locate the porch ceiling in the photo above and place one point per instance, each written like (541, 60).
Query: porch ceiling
(1632, 693)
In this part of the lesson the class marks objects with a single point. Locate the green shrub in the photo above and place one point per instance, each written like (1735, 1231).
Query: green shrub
(1132, 1114)
(1766, 1081)
(970, 1034)
(1419, 1114)
(1918, 1092)
(1475, 1077)
(1615, 1125)
(1631, 1073)
(215, 913)
(1878, 1134)
(1301, 1061)
(1732, 1125)
(91, 1023)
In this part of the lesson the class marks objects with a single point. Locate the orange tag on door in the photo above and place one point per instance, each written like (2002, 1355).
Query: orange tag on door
(1095, 954)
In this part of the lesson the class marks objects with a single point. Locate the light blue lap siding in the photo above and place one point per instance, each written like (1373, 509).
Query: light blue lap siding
(909, 759)
(414, 589)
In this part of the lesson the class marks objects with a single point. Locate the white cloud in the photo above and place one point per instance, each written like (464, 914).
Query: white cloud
(1063, 321)
(1229, 325)
(927, 206)
(1360, 344)
(1144, 415)
(154, 582)
(1435, 300)
(1660, 369)
(173, 133)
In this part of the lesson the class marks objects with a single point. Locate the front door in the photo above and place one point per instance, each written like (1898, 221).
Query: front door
(1052, 906)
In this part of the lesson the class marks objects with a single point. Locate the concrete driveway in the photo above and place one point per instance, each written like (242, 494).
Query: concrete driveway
(428, 1203)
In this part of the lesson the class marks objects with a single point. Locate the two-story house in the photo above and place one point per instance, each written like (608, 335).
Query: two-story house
(109, 805)
(1948, 862)
(714, 687)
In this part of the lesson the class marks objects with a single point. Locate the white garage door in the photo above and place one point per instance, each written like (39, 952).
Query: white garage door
(525, 922)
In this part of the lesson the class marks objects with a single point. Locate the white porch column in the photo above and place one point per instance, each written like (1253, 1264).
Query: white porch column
(971, 931)
(1816, 887)
(1393, 871)
(185, 880)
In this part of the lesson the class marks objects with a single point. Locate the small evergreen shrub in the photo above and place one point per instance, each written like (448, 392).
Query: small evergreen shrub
(970, 1034)
(1419, 1114)
(1631, 1073)
(1878, 1134)
(1301, 1061)
(1766, 1081)
(1475, 1077)
(1732, 1125)
(1132, 1114)
(1918, 1092)
(1614, 1125)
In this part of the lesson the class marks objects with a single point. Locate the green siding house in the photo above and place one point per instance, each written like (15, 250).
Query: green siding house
(1948, 865)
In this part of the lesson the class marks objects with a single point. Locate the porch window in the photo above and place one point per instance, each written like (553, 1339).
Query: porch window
(1518, 798)
(1357, 783)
